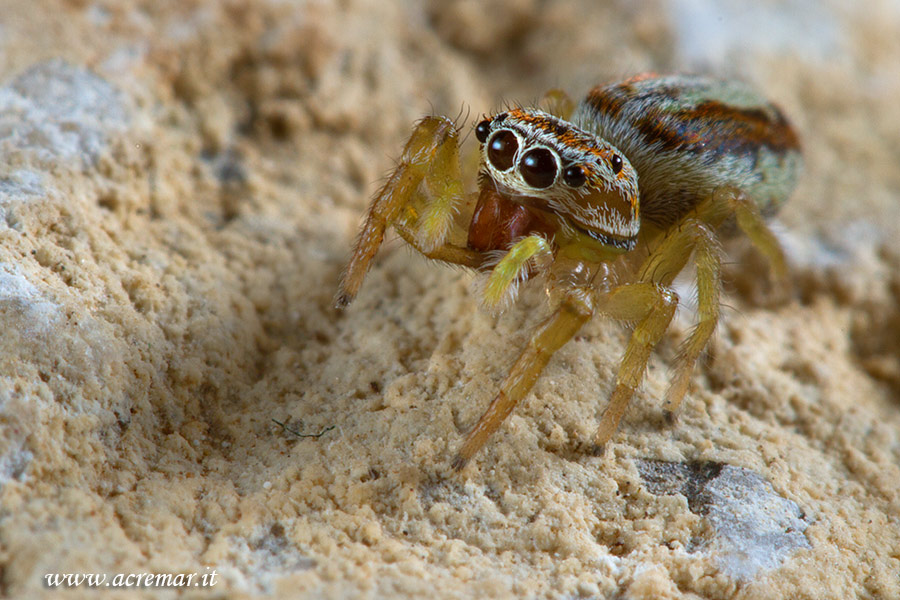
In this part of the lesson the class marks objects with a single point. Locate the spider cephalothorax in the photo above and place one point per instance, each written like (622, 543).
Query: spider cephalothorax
(543, 162)
(651, 163)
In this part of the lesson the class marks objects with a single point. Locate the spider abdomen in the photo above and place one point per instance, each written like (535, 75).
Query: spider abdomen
(687, 135)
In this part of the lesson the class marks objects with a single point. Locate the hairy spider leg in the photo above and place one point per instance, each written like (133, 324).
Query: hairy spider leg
(424, 221)
(429, 218)
(514, 268)
(652, 305)
(558, 103)
(726, 201)
(662, 266)
(698, 236)
(575, 310)
(694, 234)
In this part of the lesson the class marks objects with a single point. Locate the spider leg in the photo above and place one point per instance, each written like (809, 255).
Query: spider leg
(697, 236)
(726, 201)
(694, 234)
(550, 336)
(652, 305)
(432, 218)
(558, 103)
(514, 268)
(431, 155)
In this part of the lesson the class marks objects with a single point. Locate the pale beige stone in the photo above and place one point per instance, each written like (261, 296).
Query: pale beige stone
(180, 183)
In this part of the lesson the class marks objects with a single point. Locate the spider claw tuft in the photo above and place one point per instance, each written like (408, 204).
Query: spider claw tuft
(458, 463)
(596, 449)
(342, 300)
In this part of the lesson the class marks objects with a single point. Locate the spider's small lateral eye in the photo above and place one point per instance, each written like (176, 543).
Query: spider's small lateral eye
(538, 168)
(616, 161)
(482, 130)
(502, 149)
(574, 176)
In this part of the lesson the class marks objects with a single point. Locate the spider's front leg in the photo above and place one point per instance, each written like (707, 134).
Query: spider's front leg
(430, 159)
(552, 334)
(575, 309)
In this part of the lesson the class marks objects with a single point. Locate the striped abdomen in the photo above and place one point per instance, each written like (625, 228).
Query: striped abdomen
(688, 135)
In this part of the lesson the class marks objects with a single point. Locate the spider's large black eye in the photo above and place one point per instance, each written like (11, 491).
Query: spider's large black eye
(574, 176)
(616, 161)
(538, 168)
(502, 149)
(482, 130)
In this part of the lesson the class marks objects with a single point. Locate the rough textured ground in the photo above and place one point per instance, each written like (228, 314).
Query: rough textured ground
(180, 183)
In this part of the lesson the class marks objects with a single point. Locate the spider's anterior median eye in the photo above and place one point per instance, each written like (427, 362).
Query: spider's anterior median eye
(538, 168)
(616, 161)
(482, 130)
(502, 149)
(574, 176)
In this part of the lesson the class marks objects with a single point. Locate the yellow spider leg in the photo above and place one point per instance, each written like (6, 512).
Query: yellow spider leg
(726, 201)
(752, 223)
(707, 256)
(431, 154)
(660, 269)
(693, 235)
(558, 103)
(558, 329)
(513, 268)
(699, 238)
(444, 181)
(457, 255)
(652, 305)
(669, 258)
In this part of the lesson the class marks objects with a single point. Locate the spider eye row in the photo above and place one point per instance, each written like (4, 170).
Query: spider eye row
(538, 166)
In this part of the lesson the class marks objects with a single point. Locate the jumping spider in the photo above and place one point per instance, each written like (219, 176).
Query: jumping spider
(635, 179)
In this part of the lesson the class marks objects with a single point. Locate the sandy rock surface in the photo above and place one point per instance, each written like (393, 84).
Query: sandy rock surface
(180, 183)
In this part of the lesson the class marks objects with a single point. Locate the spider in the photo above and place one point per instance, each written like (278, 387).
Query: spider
(608, 200)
